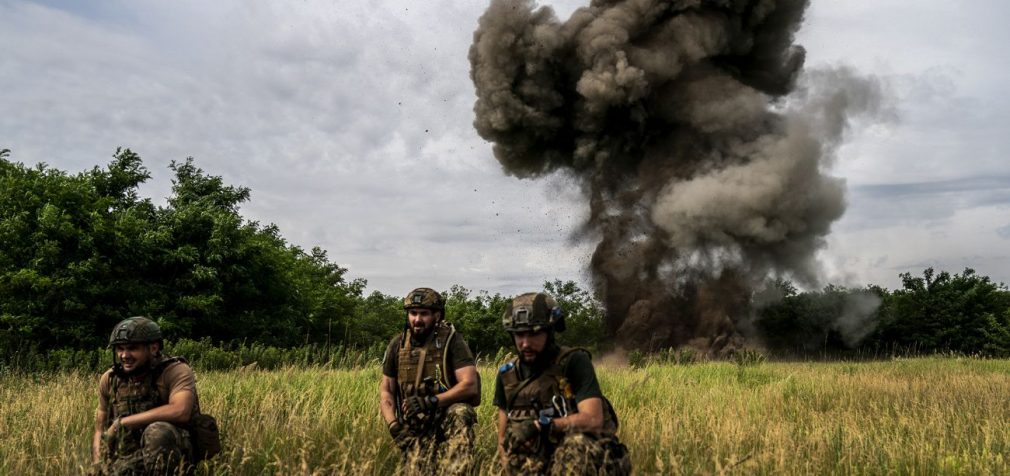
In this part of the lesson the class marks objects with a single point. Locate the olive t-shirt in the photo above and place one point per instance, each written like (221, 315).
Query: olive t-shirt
(458, 356)
(176, 377)
(578, 371)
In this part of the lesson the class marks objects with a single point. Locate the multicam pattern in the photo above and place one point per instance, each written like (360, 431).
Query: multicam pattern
(448, 449)
(577, 454)
(425, 298)
(160, 449)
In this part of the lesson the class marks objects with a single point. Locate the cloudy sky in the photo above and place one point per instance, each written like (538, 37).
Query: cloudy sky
(352, 124)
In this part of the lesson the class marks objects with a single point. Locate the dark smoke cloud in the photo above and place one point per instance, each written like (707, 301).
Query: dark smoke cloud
(699, 146)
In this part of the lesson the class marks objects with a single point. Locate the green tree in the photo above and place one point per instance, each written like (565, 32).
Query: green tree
(66, 243)
(80, 252)
(478, 318)
(584, 315)
(940, 312)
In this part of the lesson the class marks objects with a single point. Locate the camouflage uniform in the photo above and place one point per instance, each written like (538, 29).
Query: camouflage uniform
(526, 394)
(160, 447)
(575, 453)
(443, 442)
(448, 448)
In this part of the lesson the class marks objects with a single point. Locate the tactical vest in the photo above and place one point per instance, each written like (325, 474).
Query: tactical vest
(524, 399)
(130, 397)
(423, 370)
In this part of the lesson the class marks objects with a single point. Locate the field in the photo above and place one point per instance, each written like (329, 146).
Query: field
(905, 416)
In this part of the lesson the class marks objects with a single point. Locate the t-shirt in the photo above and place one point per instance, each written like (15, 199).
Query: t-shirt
(175, 377)
(458, 356)
(578, 371)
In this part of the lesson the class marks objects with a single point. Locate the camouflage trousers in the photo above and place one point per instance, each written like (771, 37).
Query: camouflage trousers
(576, 454)
(447, 448)
(159, 450)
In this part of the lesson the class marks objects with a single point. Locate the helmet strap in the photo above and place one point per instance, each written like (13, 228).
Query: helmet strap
(117, 368)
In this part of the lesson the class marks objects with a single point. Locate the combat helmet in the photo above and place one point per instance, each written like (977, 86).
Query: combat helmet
(135, 330)
(533, 312)
(424, 298)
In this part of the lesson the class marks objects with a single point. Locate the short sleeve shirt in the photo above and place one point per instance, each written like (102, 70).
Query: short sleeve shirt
(176, 377)
(459, 355)
(578, 371)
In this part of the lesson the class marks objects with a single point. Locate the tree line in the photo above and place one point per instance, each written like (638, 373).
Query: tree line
(80, 251)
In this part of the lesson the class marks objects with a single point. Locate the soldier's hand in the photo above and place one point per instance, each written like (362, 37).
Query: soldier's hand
(420, 406)
(401, 436)
(113, 430)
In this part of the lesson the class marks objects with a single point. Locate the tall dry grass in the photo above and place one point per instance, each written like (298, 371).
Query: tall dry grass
(915, 416)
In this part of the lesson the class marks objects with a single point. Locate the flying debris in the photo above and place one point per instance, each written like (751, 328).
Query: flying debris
(700, 147)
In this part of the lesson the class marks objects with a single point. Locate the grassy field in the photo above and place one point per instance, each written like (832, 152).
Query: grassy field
(911, 416)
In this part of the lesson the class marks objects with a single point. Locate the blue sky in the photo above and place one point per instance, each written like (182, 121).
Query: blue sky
(351, 122)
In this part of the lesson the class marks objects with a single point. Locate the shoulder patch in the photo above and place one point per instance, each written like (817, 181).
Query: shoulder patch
(506, 367)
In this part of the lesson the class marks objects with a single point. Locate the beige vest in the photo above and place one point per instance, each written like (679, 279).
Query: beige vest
(423, 370)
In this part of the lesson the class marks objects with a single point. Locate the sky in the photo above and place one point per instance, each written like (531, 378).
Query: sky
(351, 122)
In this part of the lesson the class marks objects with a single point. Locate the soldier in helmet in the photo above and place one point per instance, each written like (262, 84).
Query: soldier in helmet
(429, 389)
(145, 402)
(552, 416)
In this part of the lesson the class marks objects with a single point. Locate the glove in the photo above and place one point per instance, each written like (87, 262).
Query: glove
(521, 433)
(401, 438)
(420, 406)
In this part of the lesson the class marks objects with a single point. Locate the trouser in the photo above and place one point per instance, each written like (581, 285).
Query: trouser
(160, 450)
(576, 454)
(447, 448)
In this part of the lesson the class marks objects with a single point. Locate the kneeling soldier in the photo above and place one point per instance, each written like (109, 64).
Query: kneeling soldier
(552, 416)
(429, 388)
(145, 405)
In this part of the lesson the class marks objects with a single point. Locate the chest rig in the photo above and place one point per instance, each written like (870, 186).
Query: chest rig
(548, 391)
(423, 370)
(130, 396)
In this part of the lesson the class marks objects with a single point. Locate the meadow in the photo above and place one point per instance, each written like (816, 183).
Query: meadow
(934, 415)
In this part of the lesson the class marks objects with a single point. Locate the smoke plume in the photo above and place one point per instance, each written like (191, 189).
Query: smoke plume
(699, 146)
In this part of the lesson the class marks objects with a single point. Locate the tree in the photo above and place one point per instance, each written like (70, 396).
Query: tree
(584, 316)
(80, 252)
(940, 312)
(478, 318)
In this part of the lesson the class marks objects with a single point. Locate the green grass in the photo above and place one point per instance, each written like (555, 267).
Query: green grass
(906, 416)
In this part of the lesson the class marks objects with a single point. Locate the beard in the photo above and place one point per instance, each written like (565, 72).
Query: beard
(420, 334)
(545, 356)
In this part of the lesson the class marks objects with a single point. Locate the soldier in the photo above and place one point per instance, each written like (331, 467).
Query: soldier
(552, 416)
(429, 388)
(145, 403)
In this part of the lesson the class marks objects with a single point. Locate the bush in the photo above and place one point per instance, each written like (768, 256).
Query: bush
(637, 359)
(747, 357)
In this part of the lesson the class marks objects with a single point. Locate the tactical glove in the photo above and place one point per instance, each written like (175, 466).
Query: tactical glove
(420, 406)
(401, 437)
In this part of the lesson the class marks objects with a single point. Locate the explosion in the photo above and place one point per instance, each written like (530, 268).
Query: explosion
(699, 146)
